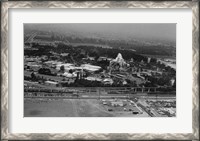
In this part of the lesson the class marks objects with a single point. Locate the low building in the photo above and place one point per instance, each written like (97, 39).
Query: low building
(64, 54)
(104, 59)
(69, 81)
(145, 73)
(117, 103)
(91, 58)
(67, 66)
(52, 63)
(31, 59)
(44, 57)
(70, 75)
(93, 78)
(89, 67)
(33, 65)
(51, 83)
(124, 82)
(172, 82)
(108, 81)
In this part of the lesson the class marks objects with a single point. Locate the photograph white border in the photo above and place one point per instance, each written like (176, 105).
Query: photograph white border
(180, 17)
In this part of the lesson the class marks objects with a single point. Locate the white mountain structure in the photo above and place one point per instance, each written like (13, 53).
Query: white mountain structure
(118, 61)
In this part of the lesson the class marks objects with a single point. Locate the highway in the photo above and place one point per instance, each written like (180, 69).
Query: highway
(30, 39)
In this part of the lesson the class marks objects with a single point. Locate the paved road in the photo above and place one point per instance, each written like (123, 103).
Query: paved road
(30, 39)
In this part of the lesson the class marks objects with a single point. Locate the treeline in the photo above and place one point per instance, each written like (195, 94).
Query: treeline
(112, 53)
(82, 51)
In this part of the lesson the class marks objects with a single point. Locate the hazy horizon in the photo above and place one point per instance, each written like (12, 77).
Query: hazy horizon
(156, 32)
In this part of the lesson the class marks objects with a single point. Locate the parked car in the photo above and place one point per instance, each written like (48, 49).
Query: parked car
(110, 109)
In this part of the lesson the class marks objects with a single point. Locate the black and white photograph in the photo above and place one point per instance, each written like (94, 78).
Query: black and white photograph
(99, 70)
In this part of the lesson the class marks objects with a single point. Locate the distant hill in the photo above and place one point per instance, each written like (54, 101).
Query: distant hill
(141, 47)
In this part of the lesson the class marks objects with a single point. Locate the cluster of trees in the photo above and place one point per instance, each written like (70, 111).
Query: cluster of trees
(82, 83)
(104, 64)
(112, 53)
(42, 50)
(34, 78)
(88, 83)
(163, 80)
(46, 71)
(77, 52)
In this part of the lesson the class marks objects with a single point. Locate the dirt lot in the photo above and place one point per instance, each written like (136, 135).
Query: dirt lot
(64, 108)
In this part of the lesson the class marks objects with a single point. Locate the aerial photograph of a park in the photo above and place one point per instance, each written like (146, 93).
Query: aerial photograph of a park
(99, 70)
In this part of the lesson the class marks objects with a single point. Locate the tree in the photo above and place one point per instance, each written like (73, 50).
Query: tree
(62, 68)
(97, 57)
(45, 71)
(71, 71)
(33, 77)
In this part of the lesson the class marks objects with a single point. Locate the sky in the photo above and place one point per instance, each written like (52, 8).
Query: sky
(148, 31)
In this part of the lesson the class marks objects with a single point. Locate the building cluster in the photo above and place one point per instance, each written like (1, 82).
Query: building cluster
(163, 107)
(119, 71)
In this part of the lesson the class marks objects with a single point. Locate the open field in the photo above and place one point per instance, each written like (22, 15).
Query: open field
(64, 108)
(74, 108)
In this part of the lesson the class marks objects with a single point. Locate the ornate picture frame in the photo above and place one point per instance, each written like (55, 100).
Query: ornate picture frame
(5, 6)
